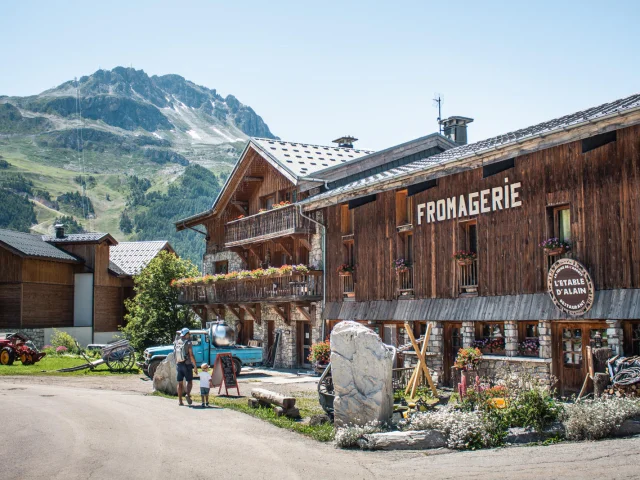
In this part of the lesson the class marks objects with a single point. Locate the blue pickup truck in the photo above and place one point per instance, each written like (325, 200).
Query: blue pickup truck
(204, 350)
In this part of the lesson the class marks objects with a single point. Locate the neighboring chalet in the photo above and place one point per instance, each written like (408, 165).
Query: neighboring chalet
(75, 282)
(256, 222)
(575, 178)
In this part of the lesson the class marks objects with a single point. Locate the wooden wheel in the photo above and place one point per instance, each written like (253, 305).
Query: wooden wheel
(121, 359)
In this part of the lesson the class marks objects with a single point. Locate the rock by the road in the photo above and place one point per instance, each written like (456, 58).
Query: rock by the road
(165, 378)
(419, 440)
(361, 368)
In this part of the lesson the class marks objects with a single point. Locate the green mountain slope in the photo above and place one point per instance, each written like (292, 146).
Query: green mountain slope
(112, 126)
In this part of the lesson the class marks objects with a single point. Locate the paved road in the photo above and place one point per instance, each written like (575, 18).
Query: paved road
(52, 431)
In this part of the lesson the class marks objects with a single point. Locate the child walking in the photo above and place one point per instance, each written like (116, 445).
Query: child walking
(205, 383)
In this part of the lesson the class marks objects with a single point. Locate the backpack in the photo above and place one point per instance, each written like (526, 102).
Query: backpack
(180, 350)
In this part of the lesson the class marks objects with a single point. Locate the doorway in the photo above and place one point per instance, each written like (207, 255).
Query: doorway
(570, 341)
(452, 343)
(304, 344)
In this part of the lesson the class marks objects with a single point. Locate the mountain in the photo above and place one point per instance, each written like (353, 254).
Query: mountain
(114, 126)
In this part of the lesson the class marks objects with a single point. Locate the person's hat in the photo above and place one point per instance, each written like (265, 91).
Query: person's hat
(184, 331)
(204, 365)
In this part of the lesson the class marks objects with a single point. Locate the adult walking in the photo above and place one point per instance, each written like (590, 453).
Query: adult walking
(185, 363)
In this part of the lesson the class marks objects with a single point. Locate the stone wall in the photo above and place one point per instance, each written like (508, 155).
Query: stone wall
(236, 262)
(495, 367)
(35, 334)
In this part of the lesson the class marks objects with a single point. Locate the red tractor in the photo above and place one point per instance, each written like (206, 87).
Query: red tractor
(18, 346)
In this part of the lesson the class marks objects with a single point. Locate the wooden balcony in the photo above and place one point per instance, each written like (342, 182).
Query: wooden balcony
(286, 288)
(405, 283)
(264, 226)
(468, 278)
(348, 286)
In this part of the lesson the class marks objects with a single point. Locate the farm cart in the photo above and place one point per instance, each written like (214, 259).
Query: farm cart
(16, 346)
(118, 356)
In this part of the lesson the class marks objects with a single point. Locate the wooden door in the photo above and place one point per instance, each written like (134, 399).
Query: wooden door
(570, 348)
(452, 343)
(271, 334)
(631, 337)
(304, 343)
(247, 331)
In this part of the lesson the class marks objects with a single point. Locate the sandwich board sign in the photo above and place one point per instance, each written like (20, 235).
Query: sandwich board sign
(224, 373)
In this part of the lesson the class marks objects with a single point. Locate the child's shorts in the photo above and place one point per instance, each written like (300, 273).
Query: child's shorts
(204, 391)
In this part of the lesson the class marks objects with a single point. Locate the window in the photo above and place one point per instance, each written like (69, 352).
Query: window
(469, 236)
(346, 220)
(284, 196)
(528, 340)
(404, 208)
(221, 267)
(490, 337)
(563, 220)
(408, 249)
(268, 201)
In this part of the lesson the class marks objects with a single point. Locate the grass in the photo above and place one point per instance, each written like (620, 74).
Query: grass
(307, 405)
(49, 364)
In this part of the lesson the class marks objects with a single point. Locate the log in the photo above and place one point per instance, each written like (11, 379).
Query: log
(291, 412)
(600, 383)
(253, 402)
(273, 398)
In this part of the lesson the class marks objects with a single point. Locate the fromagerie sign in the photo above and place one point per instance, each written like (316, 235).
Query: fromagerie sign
(475, 203)
(570, 286)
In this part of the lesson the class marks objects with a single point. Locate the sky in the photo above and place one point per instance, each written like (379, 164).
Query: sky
(316, 71)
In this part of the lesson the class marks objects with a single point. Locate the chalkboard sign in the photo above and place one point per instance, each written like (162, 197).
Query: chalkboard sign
(224, 373)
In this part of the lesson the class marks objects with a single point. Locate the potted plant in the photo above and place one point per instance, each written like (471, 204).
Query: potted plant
(345, 269)
(529, 348)
(465, 258)
(282, 204)
(468, 359)
(320, 355)
(401, 265)
(555, 246)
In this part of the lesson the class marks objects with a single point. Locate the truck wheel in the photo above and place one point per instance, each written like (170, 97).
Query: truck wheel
(238, 366)
(153, 366)
(7, 356)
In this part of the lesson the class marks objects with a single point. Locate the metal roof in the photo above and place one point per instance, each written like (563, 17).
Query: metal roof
(88, 237)
(116, 270)
(619, 304)
(28, 245)
(488, 145)
(302, 159)
(132, 257)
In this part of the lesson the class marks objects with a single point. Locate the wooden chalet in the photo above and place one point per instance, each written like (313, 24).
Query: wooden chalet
(256, 222)
(575, 178)
(71, 282)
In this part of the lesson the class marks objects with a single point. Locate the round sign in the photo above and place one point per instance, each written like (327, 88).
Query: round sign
(570, 286)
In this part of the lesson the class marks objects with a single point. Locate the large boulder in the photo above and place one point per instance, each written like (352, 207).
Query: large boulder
(165, 378)
(361, 367)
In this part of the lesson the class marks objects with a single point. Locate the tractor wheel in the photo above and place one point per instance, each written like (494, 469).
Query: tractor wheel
(7, 356)
(26, 359)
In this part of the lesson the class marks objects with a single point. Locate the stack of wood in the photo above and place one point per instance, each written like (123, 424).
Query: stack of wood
(623, 382)
(623, 391)
(281, 405)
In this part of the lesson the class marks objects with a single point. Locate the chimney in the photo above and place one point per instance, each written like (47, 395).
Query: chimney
(59, 228)
(346, 141)
(455, 129)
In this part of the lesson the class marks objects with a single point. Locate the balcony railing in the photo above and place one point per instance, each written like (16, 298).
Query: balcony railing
(405, 282)
(298, 287)
(468, 277)
(266, 225)
(348, 286)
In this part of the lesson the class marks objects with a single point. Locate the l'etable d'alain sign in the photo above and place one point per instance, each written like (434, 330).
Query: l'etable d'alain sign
(484, 201)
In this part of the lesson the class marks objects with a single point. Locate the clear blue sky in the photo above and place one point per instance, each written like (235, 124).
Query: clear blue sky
(318, 70)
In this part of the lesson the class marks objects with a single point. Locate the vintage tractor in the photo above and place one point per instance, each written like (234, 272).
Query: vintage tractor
(18, 346)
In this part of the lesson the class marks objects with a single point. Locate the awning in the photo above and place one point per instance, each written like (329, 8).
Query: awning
(608, 304)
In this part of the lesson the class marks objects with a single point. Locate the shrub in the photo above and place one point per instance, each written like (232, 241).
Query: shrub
(320, 352)
(595, 419)
(63, 339)
(61, 349)
(534, 408)
(463, 430)
(347, 437)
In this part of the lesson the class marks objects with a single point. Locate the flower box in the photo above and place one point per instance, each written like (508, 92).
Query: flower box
(465, 261)
(555, 251)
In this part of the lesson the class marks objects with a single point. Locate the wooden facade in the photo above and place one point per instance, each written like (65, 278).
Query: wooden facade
(600, 187)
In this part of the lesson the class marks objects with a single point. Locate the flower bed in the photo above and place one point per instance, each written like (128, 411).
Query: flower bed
(242, 275)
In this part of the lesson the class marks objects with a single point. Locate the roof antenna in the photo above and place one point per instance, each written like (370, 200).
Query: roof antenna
(437, 101)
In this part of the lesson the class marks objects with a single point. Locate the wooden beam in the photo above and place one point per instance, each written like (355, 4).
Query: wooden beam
(256, 253)
(240, 203)
(305, 313)
(286, 250)
(237, 312)
(242, 210)
(253, 312)
(305, 243)
(252, 179)
(283, 311)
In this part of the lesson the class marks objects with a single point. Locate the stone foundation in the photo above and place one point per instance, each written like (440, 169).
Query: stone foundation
(494, 367)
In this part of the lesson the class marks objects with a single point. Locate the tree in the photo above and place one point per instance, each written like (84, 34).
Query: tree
(126, 225)
(70, 224)
(154, 312)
